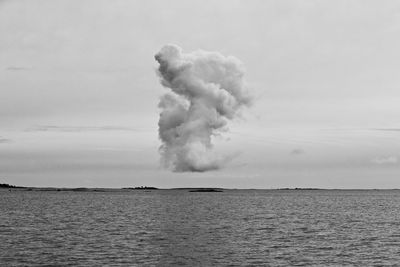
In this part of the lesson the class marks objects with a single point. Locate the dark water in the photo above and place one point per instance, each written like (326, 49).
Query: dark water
(171, 228)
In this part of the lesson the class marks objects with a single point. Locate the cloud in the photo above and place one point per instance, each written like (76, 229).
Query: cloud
(297, 151)
(54, 128)
(207, 90)
(388, 129)
(16, 68)
(4, 140)
(385, 160)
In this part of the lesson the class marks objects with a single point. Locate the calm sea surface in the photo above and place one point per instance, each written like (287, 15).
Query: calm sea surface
(171, 228)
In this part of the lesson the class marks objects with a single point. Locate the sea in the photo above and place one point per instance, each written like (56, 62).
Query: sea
(182, 228)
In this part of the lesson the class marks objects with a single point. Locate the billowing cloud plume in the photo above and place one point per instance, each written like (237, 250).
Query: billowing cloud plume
(207, 90)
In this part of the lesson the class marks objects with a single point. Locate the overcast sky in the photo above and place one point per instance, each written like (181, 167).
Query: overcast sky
(79, 92)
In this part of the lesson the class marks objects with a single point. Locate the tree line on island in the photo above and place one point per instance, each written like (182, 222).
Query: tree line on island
(141, 188)
(9, 186)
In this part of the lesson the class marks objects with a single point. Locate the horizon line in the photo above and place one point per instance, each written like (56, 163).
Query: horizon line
(10, 186)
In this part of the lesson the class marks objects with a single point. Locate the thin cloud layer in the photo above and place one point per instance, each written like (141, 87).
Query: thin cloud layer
(4, 140)
(388, 129)
(16, 68)
(54, 128)
(385, 160)
(297, 151)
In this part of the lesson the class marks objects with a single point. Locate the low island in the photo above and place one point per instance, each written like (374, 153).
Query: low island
(206, 190)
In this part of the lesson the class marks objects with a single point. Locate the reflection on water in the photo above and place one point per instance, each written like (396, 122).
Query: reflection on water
(169, 228)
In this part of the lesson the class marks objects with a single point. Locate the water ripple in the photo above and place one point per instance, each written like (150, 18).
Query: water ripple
(178, 228)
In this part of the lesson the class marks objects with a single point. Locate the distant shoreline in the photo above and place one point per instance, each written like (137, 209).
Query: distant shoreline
(5, 186)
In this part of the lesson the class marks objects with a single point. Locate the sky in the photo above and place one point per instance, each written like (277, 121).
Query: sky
(79, 91)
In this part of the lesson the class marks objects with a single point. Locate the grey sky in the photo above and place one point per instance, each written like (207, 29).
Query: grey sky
(79, 93)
